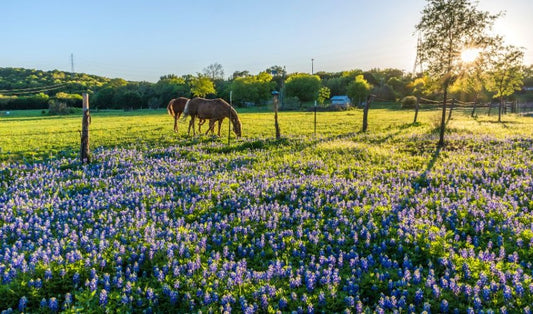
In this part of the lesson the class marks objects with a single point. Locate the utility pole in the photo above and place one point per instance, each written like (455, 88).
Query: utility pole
(418, 62)
(312, 66)
(72, 63)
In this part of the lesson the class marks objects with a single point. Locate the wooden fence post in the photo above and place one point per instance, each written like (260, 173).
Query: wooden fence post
(84, 154)
(369, 100)
(276, 124)
(417, 107)
(451, 110)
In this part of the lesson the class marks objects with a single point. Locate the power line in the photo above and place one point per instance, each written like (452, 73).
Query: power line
(31, 89)
(36, 91)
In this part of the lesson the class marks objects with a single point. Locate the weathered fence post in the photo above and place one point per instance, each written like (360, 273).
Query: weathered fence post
(474, 109)
(451, 110)
(365, 111)
(417, 107)
(84, 153)
(276, 124)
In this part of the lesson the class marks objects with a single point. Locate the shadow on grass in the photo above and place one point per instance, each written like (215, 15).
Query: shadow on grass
(390, 136)
(422, 181)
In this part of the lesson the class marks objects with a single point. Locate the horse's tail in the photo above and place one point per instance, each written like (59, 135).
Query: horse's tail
(186, 109)
(170, 107)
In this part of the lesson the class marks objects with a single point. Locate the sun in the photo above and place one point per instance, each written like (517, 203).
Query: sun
(470, 54)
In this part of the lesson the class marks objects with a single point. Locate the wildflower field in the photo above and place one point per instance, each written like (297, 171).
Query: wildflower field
(342, 221)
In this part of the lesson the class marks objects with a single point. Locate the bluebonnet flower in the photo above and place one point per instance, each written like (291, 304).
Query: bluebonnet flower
(52, 304)
(350, 301)
(282, 303)
(103, 297)
(419, 296)
(444, 306)
(22, 304)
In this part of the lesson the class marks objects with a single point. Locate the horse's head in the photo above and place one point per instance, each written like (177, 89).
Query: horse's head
(236, 126)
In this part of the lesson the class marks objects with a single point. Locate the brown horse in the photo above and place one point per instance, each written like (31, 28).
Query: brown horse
(212, 110)
(175, 108)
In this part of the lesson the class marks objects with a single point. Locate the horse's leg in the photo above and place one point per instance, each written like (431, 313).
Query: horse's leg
(219, 125)
(211, 126)
(191, 125)
(176, 117)
(200, 123)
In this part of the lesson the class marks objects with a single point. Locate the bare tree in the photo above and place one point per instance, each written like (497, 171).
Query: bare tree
(214, 71)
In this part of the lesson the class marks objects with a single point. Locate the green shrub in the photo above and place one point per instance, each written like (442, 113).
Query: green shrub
(59, 108)
(408, 102)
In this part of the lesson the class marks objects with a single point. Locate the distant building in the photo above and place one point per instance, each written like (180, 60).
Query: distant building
(342, 100)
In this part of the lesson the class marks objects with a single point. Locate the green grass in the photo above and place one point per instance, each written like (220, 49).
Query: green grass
(32, 136)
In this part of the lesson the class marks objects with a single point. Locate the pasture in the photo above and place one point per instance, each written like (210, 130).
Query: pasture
(159, 222)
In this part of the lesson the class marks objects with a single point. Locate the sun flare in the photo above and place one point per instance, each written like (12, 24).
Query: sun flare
(470, 55)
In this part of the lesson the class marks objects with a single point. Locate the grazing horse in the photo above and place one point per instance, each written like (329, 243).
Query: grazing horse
(212, 110)
(175, 108)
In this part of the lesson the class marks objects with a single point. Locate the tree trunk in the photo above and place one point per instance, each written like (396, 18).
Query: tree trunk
(417, 107)
(443, 118)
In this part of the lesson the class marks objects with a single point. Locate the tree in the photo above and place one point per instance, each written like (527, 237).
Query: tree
(214, 71)
(359, 88)
(254, 89)
(202, 85)
(302, 85)
(448, 27)
(169, 87)
(128, 98)
(505, 75)
(278, 76)
(337, 85)
(528, 75)
(237, 74)
(323, 95)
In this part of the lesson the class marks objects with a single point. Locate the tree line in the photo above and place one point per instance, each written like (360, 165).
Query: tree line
(30, 89)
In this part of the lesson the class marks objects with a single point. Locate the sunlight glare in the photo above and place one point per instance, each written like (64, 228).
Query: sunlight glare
(470, 55)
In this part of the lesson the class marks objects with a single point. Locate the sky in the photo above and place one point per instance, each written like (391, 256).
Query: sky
(141, 40)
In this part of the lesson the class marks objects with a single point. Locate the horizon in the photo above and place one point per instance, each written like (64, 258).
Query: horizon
(140, 41)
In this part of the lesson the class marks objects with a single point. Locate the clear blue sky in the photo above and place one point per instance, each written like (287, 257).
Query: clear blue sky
(142, 40)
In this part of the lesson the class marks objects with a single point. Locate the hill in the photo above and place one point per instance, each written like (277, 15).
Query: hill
(19, 81)
(33, 89)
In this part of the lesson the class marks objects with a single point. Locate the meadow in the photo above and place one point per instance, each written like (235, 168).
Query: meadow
(381, 221)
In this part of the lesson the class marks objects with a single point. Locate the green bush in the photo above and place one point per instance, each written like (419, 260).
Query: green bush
(408, 102)
(59, 108)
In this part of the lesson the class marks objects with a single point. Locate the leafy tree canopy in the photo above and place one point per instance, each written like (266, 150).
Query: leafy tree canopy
(202, 86)
(359, 88)
(302, 85)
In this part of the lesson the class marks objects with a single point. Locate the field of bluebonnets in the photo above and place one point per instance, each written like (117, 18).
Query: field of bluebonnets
(344, 221)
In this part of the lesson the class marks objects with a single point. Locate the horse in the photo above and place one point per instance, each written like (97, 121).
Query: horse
(175, 108)
(212, 110)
